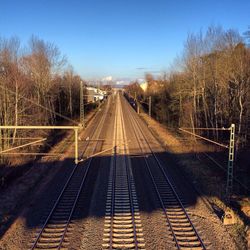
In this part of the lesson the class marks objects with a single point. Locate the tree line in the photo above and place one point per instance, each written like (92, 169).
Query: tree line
(36, 85)
(208, 86)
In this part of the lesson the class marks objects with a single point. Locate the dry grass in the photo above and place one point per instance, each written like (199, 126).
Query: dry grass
(178, 143)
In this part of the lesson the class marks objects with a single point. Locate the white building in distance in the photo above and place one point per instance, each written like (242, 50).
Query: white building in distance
(95, 94)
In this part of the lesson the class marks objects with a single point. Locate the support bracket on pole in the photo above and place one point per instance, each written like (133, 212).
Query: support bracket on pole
(75, 128)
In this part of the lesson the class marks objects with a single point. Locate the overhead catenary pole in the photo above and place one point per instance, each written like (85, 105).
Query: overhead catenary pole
(81, 105)
(137, 103)
(229, 187)
(231, 149)
(149, 105)
(76, 146)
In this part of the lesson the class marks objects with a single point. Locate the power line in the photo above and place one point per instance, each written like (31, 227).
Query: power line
(39, 105)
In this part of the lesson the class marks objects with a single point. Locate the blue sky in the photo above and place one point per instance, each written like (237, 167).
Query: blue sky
(116, 37)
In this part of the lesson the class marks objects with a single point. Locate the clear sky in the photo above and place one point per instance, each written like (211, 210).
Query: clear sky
(119, 38)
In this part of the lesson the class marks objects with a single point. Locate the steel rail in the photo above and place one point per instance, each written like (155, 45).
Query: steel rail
(122, 230)
(129, 186)
(168, 181)
(157, 191)
(155, 186)
(113, 188)
(64, 188)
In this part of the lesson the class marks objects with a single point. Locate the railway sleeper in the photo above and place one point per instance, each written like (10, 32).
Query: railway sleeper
(120, 210)
(172, 207)
(181, 224)
(123, 230)
(52, 234)
(58, 220)
(53, 230)
(191, 244)
(181, 228)
(124, 222)
(60, 214)
(126, 217)
(59, 217)
(170, 202)
(177, 216)
(121, 189)
(56, 225)
(65, 204)
(119, 207)
(123, 226)
(193, 248)
(121, 199)
(175, 209)
(184, 238)
(185, 233)
(128, 237)
(178, 220)
(127, 246)
(119, 195)
(123, 235)
(122, 218)
(175, 212)
(60, 209)
(168, 196)
(123, 240)
(107, 246)
(47, 245)
(50, 240)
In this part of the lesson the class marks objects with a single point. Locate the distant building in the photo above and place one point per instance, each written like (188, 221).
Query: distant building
(144, 86)
(95, 94)
(154, 87)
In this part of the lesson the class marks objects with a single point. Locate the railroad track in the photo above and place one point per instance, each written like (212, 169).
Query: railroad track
(182, 230)
(54, 231)
(122, 225)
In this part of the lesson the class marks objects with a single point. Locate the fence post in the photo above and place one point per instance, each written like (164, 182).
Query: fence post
(229, 187)
(76, 145)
